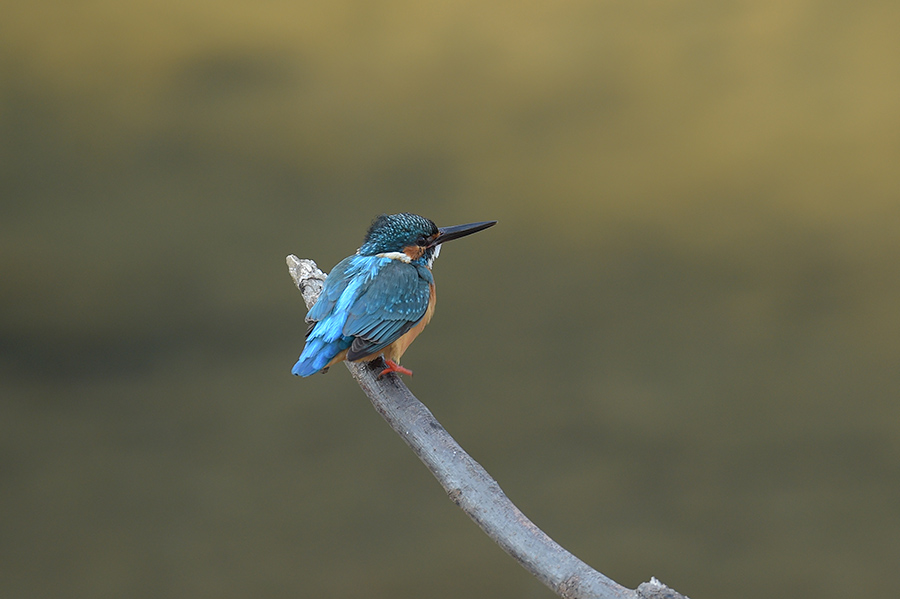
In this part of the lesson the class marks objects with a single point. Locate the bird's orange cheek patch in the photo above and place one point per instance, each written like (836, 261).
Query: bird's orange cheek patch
(414, 251)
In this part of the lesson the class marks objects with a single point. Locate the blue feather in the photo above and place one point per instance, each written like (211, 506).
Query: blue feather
(317, 354)
(366, 304)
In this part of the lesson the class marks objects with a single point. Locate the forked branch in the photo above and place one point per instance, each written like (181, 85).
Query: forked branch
(470, 486)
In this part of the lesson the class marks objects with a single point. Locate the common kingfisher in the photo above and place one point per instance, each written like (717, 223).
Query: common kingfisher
(377, 301)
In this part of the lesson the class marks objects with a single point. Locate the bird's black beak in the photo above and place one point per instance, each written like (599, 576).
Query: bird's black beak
(450, 233)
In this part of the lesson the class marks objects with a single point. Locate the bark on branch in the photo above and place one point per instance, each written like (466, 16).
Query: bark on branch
(470, 486)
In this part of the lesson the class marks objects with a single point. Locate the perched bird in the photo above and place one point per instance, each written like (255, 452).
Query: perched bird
(377, 301)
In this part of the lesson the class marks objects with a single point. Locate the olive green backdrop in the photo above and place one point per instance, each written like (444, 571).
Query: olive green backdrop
(678, 352)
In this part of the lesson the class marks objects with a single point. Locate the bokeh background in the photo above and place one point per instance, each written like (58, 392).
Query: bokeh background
(678, 352)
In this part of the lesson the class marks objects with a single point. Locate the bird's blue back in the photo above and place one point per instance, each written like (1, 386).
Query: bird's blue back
(367, 303)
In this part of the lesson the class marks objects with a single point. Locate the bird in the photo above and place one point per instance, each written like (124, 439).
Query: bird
(375, 302)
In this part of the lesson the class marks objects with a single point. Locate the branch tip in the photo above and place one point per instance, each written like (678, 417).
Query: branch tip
(307, 277)
(657, 590)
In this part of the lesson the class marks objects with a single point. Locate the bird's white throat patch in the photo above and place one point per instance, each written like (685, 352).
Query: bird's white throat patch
(403, 257)
(395, 256)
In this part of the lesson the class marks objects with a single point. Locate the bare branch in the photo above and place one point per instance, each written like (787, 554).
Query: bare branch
(470, 486)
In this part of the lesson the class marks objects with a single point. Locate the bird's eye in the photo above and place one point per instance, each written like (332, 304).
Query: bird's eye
(421, 240)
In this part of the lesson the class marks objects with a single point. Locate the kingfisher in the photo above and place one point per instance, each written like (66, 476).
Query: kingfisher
(377, 301)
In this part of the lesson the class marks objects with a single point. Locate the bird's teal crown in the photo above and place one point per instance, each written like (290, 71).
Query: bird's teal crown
(393, 232)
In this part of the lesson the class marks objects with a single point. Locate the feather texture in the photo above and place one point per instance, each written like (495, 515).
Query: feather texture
(367, 303)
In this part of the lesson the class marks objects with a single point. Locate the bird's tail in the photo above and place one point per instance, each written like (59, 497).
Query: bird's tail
(316, 355)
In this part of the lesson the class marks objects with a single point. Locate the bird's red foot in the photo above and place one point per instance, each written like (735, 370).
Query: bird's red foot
(391, 366)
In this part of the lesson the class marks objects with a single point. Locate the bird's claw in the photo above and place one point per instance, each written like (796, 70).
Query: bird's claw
(391, 366)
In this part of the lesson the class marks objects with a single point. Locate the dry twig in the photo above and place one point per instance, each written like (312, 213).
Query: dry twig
(470, 486)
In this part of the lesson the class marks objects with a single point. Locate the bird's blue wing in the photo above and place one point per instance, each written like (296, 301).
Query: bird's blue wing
(393, 302)
(343, 286)
(366, 304)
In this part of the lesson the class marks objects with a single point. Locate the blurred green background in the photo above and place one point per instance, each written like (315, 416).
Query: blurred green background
(678, 352)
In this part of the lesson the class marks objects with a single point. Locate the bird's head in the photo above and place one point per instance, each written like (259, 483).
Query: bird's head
(412, 238)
